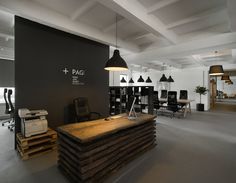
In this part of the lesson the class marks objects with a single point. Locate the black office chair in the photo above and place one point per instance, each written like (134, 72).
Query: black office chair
(172, 104)
(183, 95)
(156, 102)
(82, 110)
(7, 108)
(163, 94)
(12, 110)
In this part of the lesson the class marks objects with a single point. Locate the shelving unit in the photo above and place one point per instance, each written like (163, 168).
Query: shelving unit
(119, 96)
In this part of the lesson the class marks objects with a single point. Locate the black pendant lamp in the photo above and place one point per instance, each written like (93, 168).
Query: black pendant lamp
(131, 80)
(225, 77)
(216, 70)
(170, 79)
(116, 62)
(230, 82)
(140, 79)
(123, 80)
(163, 78)
(148, 80)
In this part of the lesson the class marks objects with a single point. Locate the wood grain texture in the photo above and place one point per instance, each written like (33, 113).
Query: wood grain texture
(108, 146)
(88, 131)
(29, 147)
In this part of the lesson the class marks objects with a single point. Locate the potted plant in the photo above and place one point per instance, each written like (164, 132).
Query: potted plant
(202, 91)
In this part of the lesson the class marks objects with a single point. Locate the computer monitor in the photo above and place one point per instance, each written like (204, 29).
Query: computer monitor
(130, 108)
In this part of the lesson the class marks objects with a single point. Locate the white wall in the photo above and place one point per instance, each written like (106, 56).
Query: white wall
(185, 79)
(188, 79)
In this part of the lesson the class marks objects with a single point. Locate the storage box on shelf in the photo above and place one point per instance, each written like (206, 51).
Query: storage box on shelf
(119, 96)
(29, 147)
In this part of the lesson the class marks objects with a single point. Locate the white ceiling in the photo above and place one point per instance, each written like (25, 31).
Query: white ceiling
(179, 33)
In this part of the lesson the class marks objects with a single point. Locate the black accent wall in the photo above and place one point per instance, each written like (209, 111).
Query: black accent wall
(41, 55)
(6, 73)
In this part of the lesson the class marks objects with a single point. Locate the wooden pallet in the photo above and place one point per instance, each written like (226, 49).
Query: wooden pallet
(36, 145)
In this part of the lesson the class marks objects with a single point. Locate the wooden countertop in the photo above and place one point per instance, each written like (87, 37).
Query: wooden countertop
(91, 130)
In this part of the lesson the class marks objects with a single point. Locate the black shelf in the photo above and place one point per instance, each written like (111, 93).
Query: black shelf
(143, 94)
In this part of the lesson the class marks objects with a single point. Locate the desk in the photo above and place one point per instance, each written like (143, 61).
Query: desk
(90, 151)
(186, 102)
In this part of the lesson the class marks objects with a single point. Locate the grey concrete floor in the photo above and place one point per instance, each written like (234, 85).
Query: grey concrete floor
(198, 149)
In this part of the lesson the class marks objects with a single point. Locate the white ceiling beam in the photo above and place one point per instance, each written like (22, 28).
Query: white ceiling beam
(142, 36)
(160, 5)
(199, 16)
(40, 14)
(138, 36)
(82, 9)
(135, 12)
(148, 66)
(211, 31)
(197, 59)
(168, 62)
(133, 59)
(219, 42)
(120, 22)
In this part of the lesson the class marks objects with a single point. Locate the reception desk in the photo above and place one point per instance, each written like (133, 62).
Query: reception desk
(90, 151)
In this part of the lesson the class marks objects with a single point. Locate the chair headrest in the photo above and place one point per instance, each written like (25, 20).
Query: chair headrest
(9, 92)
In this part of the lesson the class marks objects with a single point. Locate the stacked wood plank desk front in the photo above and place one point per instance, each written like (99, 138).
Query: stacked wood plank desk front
(90, 151)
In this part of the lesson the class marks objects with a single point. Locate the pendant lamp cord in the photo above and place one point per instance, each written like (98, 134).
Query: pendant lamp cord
(113, 78)
(116, 30)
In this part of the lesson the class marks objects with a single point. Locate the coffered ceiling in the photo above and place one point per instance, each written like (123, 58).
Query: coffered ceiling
(179, 33)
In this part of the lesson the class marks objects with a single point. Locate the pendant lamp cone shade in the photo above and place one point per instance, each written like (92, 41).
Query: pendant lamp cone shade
(131, 80)
(216, 70)
(170, 79)
(163, 78)
(123, 80)
(148, 80)
(140, 79)
(225, 77)
(116, 62)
